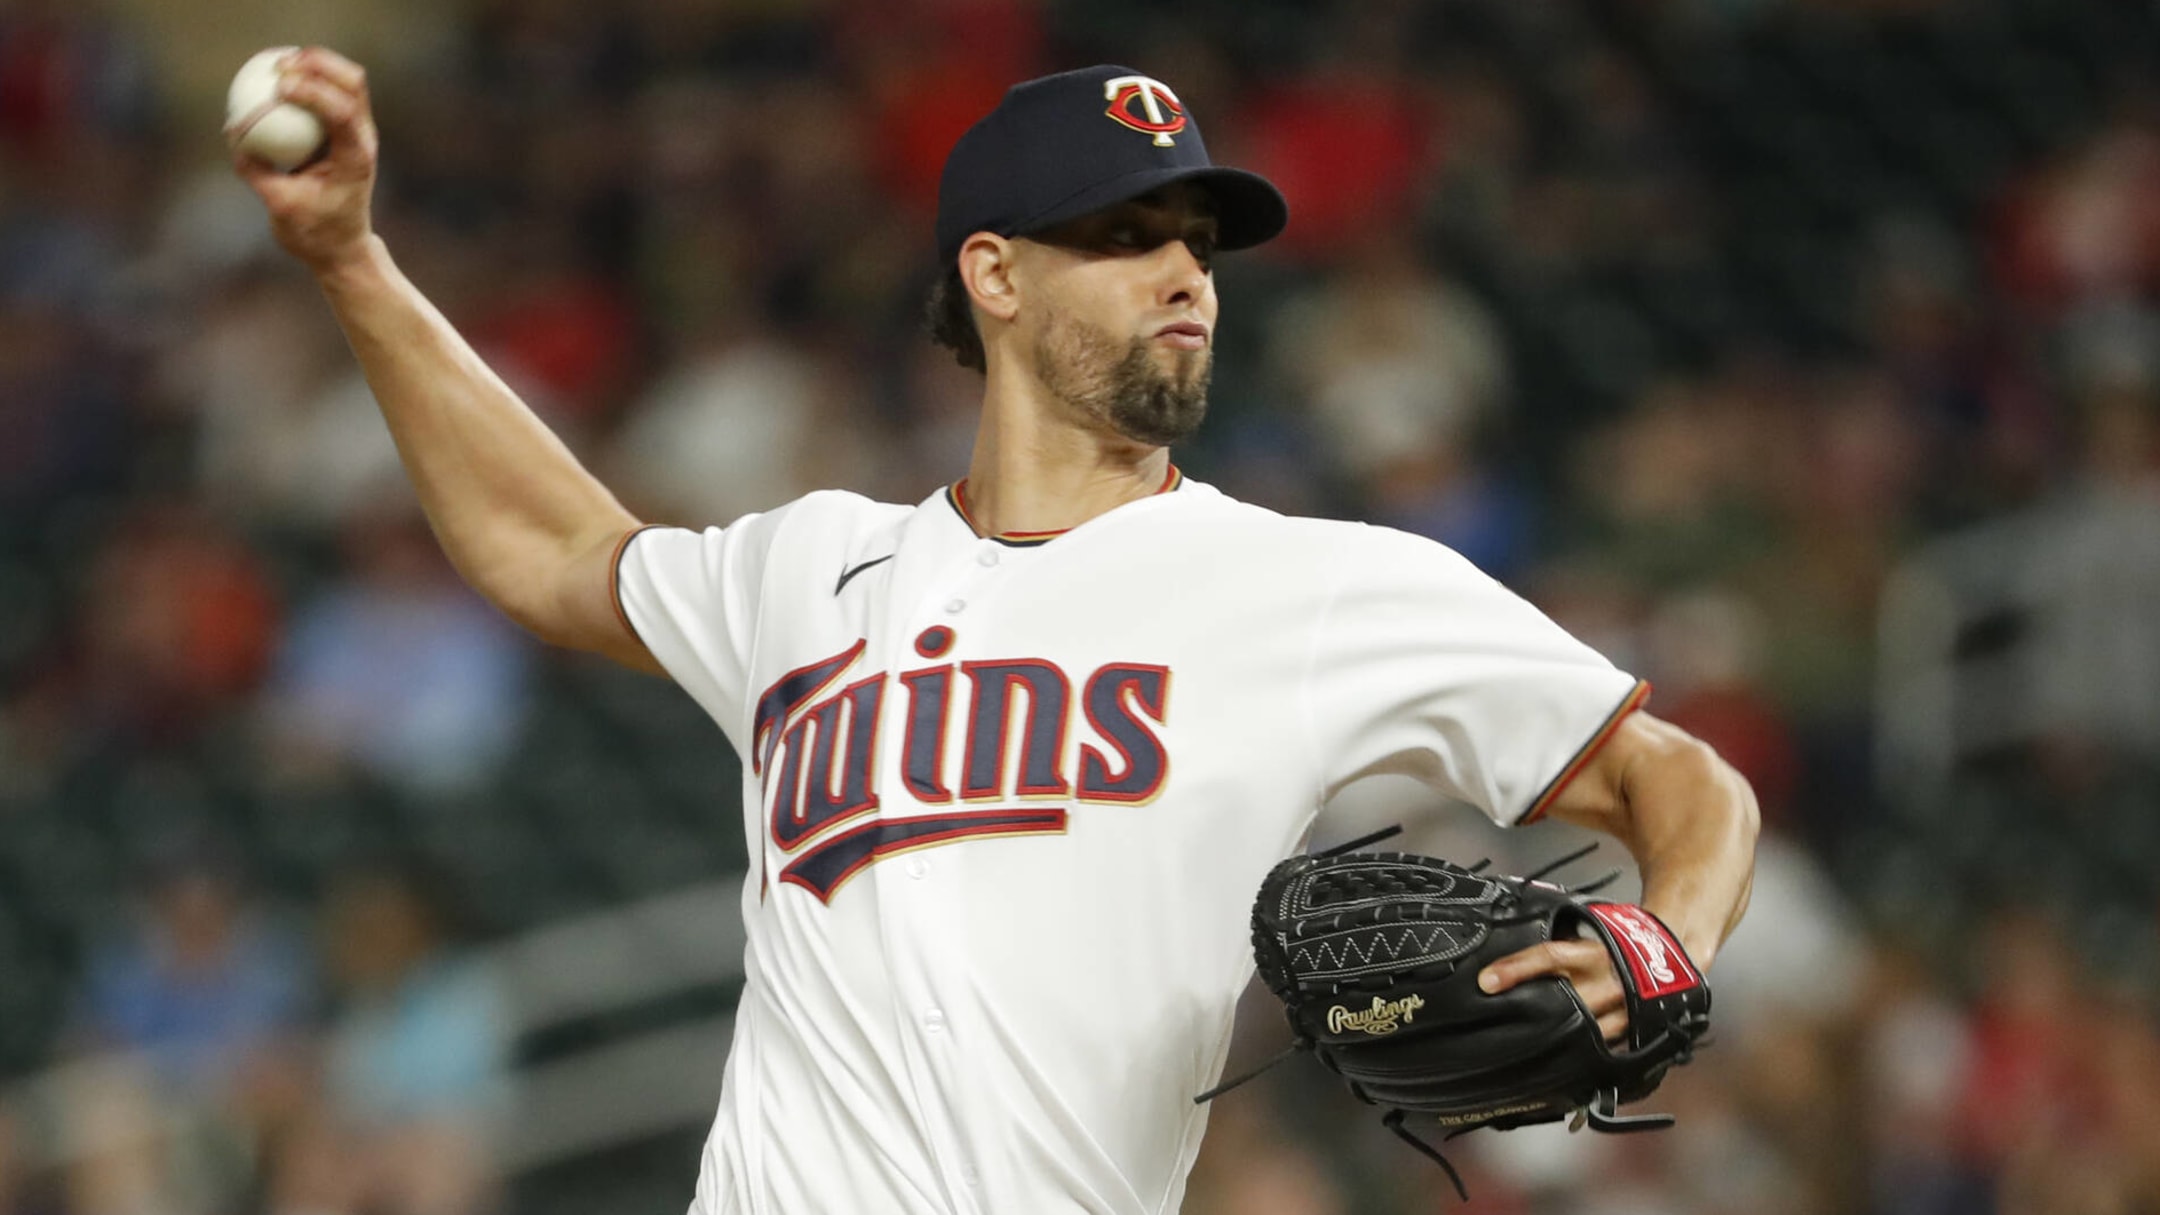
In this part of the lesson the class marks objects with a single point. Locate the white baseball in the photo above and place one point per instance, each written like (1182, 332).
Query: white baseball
(256, 122)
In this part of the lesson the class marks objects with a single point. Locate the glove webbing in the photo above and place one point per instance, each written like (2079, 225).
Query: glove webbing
(1302, 1042)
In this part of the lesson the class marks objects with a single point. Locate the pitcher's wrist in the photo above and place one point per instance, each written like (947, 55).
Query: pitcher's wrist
(356, 263)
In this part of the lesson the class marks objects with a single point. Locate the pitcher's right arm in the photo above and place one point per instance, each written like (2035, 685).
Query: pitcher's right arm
(525, 524)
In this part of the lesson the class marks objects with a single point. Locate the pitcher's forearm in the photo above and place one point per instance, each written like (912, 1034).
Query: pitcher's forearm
(1687, 818)
(525, 524)
(1694, 825)
(503, 493)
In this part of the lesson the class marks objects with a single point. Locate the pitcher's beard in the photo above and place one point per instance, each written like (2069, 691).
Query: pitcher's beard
(1125, 389)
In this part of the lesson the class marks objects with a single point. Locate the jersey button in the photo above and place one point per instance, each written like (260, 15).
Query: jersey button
(918, 867)
(989, 556)
(953, 607)
(969, 1176)
(933, 1022)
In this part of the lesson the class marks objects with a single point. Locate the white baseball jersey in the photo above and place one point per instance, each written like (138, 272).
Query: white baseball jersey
(1008, 800)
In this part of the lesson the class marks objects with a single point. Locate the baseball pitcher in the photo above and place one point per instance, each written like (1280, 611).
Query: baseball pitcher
(1058, 719)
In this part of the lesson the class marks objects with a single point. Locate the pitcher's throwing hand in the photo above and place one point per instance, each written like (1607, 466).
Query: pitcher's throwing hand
(320, 212)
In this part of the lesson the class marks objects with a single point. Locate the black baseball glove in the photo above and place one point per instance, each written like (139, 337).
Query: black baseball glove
(1376, 955)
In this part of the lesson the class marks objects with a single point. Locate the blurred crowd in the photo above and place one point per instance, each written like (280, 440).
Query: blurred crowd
(227, 1062)
(1703, 323)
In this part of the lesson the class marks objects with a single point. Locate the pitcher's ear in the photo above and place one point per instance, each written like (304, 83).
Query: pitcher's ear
(986, 267)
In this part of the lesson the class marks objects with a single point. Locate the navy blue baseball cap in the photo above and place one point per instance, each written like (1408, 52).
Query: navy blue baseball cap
(1059, 147)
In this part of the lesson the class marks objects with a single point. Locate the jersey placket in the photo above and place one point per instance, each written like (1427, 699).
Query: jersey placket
(919, 891)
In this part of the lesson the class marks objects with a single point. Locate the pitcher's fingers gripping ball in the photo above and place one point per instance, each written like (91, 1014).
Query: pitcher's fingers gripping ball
(1376, 956)
(318, 197)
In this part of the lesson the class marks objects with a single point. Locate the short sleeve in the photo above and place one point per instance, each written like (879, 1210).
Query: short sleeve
(1422, 665)
(692, 597)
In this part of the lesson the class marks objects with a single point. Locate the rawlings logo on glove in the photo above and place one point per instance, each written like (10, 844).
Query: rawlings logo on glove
(1381, 1018)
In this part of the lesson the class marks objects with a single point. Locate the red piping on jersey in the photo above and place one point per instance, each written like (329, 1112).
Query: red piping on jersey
(614, 588)
(1634, 701)
(956, 493)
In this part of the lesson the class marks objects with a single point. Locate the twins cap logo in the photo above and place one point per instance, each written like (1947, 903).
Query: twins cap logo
(1161, 113)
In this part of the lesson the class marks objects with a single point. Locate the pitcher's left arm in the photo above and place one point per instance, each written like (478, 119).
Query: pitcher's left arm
(1690, 821)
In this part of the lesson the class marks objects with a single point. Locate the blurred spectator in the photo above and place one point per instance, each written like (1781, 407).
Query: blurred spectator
(64, 207)
(2083, 229)
(926, 70)
(415, 1080)
(1265, 459)
(2122, 1149)
(178, 621)
(207, 998)
(745, 424)
(1989, 437)
(555, 326)
(1349, 140)
(288, 434)
(1628, 167)
(202, 984)
(1597, 603)
(2023, 1086)
(397, 670)
(2101, 1157)
(1841, 492)
(208, 224)
(1673, 487)
(1705, 656)
(2059, 597)
(940, 403)
(1477, 181)
(64, 408)
(68, 71)
(1916, 1051)
(2094, 577)
(1797, 965)
(1399, 369)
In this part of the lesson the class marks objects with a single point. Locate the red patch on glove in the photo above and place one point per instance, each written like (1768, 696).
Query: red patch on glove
(1660, 966)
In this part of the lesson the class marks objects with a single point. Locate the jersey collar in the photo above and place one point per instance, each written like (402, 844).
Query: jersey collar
(956, 495)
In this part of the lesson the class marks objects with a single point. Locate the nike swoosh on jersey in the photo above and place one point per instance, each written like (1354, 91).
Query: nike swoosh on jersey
(845, 575)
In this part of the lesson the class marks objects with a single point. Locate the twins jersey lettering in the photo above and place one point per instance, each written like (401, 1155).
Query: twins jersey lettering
(985, 779)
